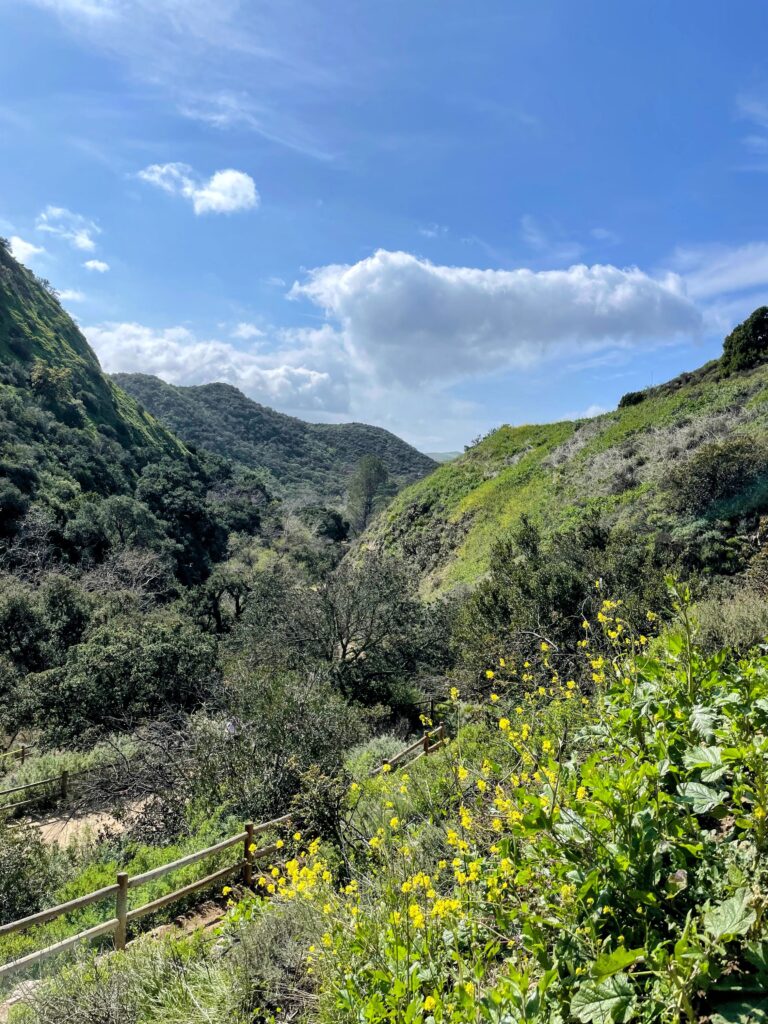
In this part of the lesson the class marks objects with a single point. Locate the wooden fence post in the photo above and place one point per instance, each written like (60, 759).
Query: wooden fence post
(426, 742)
(64, 781)
(121, 911)
(248, 859)
(23, 753)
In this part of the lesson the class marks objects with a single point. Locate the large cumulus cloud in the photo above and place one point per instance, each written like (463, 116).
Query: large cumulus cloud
(411, 321)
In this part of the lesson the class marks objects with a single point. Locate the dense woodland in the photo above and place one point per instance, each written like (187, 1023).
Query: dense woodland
(245, 615)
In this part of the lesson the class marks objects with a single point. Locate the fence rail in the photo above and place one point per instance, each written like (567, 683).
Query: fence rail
(118, 925)
(18, 754)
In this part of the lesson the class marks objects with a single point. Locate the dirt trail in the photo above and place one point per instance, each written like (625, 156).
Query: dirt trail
(63, 829)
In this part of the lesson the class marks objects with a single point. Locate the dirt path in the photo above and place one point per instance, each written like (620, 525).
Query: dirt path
(64, 829)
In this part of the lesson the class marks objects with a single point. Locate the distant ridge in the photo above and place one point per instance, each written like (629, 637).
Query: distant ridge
(310, 462)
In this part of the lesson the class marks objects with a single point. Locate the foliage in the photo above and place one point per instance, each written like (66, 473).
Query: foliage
(607, 865)
(126, 670)
(541, 592)
(364, 624)
(29, 872)
(368, 491)
(747, 344)
(721, 477)
(599, 860)
(306, 462)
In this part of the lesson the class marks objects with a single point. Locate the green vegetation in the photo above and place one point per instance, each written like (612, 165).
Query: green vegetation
(306, 463)
(584, 859)
(680, 464)
(589, 849)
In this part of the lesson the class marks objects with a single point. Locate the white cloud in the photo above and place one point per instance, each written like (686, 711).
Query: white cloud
(410, 321)
(225, 191)
(99, 266)
(246, 331)
(714, 270)
(285, 377)
(433, 230)
(604, 235)
(73, 227)
(23, 251)
(71, 295)
(553, 248)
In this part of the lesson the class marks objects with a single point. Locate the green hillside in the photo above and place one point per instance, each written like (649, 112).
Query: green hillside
(676, 461)
(34, 330)
(310, 461)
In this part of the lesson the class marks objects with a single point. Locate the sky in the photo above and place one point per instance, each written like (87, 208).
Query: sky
(432, 216)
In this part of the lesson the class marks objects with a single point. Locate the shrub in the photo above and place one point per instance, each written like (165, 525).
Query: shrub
(747, 345)
(28, 872)
(725, 477)
(632, 398)
(738, 622)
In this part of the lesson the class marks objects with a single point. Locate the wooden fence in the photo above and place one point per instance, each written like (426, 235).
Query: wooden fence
(17, 754)
(427, 744)
(123, 917)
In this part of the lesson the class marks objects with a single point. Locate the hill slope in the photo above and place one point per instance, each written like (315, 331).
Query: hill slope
(630, 466)
(310, 461)
(65, 427)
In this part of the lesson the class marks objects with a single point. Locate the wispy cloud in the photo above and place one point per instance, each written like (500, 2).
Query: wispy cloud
(714, 270)
(548, 243)
(433, 230)
(199, 53)
(71, 295)
(72, 227)
(246, 332)
(753, 107)
(98, 266)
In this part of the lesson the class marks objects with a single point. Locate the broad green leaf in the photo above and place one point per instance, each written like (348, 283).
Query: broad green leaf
(742, 1011)
(708, 759)
(611, 963)
(733, 917)
(701, 798)
(757, 954)
(703, 720)
(603, 1002)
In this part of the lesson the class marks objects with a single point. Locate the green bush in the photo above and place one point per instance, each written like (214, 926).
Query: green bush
(747, 345)
(722, 478)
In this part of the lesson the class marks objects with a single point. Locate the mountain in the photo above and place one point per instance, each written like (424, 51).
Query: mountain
(311, 462)
(66, 430)
(443, 456)
(683, 465)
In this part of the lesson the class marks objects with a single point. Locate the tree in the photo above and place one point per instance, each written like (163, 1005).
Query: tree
(747, 345)
(129, 669)
(367, 489)
(364, 624)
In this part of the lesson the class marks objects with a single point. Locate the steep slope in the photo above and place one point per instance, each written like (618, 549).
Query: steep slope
(310, 461)
(66, 430)
(639, 465)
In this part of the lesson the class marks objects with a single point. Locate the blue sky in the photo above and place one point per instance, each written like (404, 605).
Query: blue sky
(434, 216)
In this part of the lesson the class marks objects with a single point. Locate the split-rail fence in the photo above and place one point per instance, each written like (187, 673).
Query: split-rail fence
(117, 925)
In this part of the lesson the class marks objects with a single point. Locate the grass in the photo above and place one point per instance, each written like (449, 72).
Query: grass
(448, 523)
